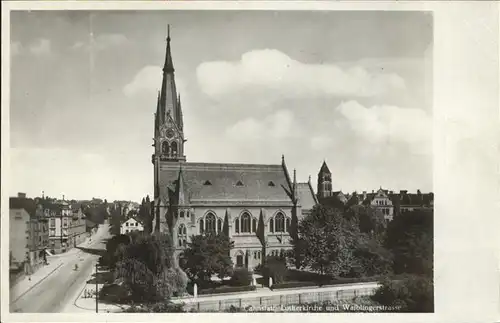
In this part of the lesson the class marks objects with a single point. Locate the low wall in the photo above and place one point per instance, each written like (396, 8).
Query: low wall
(278, 300)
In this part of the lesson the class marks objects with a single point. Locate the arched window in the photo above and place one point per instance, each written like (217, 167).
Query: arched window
(287, 224)
(254, 225)
(182, 235)
(210, 223)
(271, 225)
(182, 214)
(165, 148)
(280, 222)
(219, 225)
(245, 222)
(237, 225)
(174, 149)
(201, 227)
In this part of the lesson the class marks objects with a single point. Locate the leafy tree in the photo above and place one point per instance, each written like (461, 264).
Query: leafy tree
(410, 239)
(413, 293)
(326, 241)
(276, 268)
(112, 247)
(148, 268)
(207, 255)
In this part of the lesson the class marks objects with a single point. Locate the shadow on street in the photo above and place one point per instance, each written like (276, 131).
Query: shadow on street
(92, 251)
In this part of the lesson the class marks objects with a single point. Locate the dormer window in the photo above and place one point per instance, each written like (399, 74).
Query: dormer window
(271, 183)
(207, 182)
(239, 183)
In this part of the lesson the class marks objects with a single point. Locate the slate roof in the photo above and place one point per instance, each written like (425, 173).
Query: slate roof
(306, 196)
(324, 168)
(23, 203)
(223, 179)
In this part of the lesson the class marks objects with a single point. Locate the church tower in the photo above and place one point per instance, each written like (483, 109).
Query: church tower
(324, 182)
(168, 141)
(168, 134)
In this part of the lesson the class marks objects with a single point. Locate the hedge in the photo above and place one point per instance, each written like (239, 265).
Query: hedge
(294, 285)
(226, 289)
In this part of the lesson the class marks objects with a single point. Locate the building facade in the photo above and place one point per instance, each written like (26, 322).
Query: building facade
(29, 234)
(254, 204)
(385, 202)
(131, 224)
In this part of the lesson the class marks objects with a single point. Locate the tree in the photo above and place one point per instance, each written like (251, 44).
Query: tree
(148, 268)
(275, 268)
(327, 241)
(207, 255)
(410, 239)
(413, 293)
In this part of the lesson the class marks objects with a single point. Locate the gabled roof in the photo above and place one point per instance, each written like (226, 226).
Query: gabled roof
(324, 168)
(224, 178)
(306, 196)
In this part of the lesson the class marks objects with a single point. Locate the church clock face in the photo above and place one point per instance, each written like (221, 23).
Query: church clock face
(169, 134)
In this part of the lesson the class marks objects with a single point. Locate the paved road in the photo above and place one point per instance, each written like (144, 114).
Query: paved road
(54, 292)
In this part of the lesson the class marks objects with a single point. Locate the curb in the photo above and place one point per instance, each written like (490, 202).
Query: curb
(36, 284)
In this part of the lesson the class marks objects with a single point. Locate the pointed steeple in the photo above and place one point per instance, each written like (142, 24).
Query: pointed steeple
(179, 113)
(180, 188)
(295, 183)
(168, 67)
(168, 100)
(324, 168)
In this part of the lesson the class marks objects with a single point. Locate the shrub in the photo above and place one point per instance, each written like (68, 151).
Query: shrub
(161, 307)
(412, 294)
(241, 277)
(275, 267)
(226, 289)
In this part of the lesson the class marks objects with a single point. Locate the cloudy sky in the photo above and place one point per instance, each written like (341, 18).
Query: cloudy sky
(351, 88)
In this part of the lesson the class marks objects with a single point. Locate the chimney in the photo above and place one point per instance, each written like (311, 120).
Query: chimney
(21, 195)
(63, 197)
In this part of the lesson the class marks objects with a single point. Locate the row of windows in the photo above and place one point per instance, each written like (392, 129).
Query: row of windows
(169, 149)
(378, 202)
(132, 224)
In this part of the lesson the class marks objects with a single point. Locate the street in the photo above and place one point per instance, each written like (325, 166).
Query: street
(53, 293)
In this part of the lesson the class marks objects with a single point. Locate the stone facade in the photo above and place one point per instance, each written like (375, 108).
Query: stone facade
(255, 204)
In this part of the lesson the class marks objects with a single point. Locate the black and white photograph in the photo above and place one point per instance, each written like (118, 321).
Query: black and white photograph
(226, 161)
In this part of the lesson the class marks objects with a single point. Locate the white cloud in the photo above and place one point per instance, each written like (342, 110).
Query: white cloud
(40, 47)
(148, 82)
(275, 126)
(274, 70)
(389, 123)
(148, 79)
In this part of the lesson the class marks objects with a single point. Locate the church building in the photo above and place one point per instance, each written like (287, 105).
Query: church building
(256, 205)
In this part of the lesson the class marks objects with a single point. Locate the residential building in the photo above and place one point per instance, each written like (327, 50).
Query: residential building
(253, 203)
(28, 235)
(77, 226)
(407, 202)
(131, 224)
(386, 202)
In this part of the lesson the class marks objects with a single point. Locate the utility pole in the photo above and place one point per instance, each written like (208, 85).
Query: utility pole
(96, 291)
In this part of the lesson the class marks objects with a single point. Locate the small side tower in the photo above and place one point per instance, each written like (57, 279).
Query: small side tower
(324, 181)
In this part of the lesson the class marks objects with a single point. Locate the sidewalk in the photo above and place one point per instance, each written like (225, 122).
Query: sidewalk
(26, 284)
(80, 303)
(55, 262)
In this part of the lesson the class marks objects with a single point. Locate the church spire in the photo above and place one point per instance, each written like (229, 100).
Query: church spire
(168, 88)
(168, 67)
